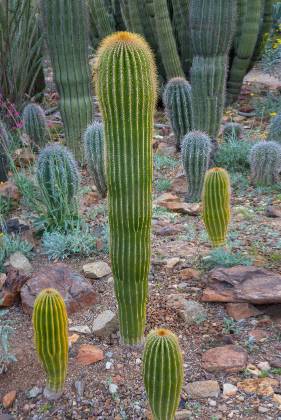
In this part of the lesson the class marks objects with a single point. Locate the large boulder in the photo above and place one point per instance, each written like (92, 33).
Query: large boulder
(230, 358)
(77, 292)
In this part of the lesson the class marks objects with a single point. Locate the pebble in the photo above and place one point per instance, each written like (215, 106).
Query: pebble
(80, 387)
(264, 366)
(34, 392)
(138, 361)
(105, 324)
(172, 262)
(96, 270)
(212, 403)
(262, 409)
(108, 365)
(9, 398)
(113, 388)
(82, 329)
(229, 390)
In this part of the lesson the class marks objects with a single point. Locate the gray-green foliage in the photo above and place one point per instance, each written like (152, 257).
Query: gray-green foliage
(94, 154)
(234, 156)
(196, 150)
(219, 257)
(178, 106)
(4, 146)
(265, 162)
(11, 244)
(6, 330)
(232, 131)
(35, 124)
(275, 129)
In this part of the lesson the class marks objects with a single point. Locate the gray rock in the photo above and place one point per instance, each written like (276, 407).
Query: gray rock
(96, 270)
(34, 392)
(19, 261)
(105, 324)
(202, 389)
(82, 329)
(80, 387)
(191, 311)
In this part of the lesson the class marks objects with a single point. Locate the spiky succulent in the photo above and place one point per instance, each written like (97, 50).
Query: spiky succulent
(232, 131)
(4, 147)
(275, 129)
(35, 124)
(265, 161)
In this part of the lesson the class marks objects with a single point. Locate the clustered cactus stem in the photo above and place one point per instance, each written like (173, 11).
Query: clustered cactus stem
(51, 339)
(4, 147)
(125, 80)
(275, 129)
(35, 124)
(265, 162)
(162, 373)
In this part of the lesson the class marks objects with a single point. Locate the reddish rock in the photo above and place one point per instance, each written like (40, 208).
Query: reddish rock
(179, 185)
(273, 211)
(263, 387)
(192, 209)
(239, 311)
(229, 358)
(162, 228)
(77, 292)
(167, 198)
(189, 274)
(8, 399)
(9, 190)
(89, 354)
(243, 284)
(259, 334)
(11, 286)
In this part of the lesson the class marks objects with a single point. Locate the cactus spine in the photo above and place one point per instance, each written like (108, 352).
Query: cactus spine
(265, 162)
(126, 88)
(275, 129)
(66, 25)
(216, 205)
(162, 373)
(35, 124)
(232, 131)
(178, 107)
(94, 154)
(51, 339)
(196, 151)
(4, 146)
(58, 179)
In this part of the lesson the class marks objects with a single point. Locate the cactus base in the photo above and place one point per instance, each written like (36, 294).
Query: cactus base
(52, 395)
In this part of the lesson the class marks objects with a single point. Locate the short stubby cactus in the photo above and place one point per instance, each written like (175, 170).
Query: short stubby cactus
(232, 131)
(126, 86)
(51, 339)
(196, 151)
(35, 124)
(265, 162)
(162, 373)
(275, 129)
(216, 205)
(177, 100)
(4, 147)
(58, 178)
(94, 154)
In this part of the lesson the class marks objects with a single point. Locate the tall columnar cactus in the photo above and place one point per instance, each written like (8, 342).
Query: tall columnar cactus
(196, 151)
(126, 88)
(178, 106)
(265, 162)
(58, 179)
(94, 154)
(264, 31)
(275, 129)
(250, 17)
(182, 30)
(66, 26)
(216, 205)
(232, 131)
(35, 124)
(50, 326)
(4, 147)
(100, 14)
(162, 373)
(212, 29)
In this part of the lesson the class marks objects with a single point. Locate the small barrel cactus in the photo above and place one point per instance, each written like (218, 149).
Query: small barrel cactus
(216, 205)
(4, 147)
(265, 162)
(51, 339)
(196, 151)
(275, 129)
(94, 154)
(232, 131)
(177, 100)
(58, 178)
(162, 373)
(35, 124)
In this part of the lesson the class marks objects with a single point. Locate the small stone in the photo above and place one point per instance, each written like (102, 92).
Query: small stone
(138, 361)
(261, 386)
(19, 261)
(8, 399)
(262, 410)
(172, 262)
(265, 366)
(277, 399)
(80, 387)
(253, 370)
(240, 311)
(82, 329)
(89, 354)
(189, 274)
(34, 392)
(110, 280)
(229, 390)
(273, 211)
(182, 286)
(212, 403)
(202, 389)
(275, 362)
(105, 324)
(259, 335)
(183, 415)
(25, 409)
(230, 358)
(96, 270)
(191, 311)
(113, 388)
(72, 339)
(108, 365)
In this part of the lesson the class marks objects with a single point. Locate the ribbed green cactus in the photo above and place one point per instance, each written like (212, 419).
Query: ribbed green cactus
(196, 151)
(4, 147)
(102, 18)
(216, 205)
(232, 131)
(50, 326)
(162, 373)
(178, 107)
(250, 17)
(265, 162)
(212, 29)
(182, 31)
(66, 26)
(35, 124)
(126, 88)
(265, 29)
(94, 154)
(58, 178)
(275, 129)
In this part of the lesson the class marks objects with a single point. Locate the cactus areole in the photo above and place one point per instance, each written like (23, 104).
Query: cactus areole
(125, 79)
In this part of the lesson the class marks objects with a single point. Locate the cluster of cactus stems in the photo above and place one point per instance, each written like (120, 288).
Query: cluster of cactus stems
(4, 147)
(35, 124)
(66, 26)
(94, 155)
(178, 106)
(50, 325)
(232, 131)
(275, 129)
(196, 151)
(101, 17)
(125, 80)
(216, 205)
(162, 373)
(265, 162)
(58, 178)
(264, 31)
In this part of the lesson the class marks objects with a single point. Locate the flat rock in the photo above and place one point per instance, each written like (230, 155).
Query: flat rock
(105, 324)
(96, 270)
(189, 310)
(77, 292)
(19, 262)
(172, 262)
(9, 190)
(9, 398)
(202, 389)
(273, 211)
(181, 415)
(261, 386)
(240, 311)
(230, 358)
(179, 185)
(89, 354)
(243, 284)
(11, 284)
(189, 274)
(82, 329)
(229, 390)
(259, 334)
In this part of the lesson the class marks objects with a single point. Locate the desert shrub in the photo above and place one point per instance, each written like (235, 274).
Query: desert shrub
(234, 156)
(219, 257)
(6, 330)
(10, 244)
